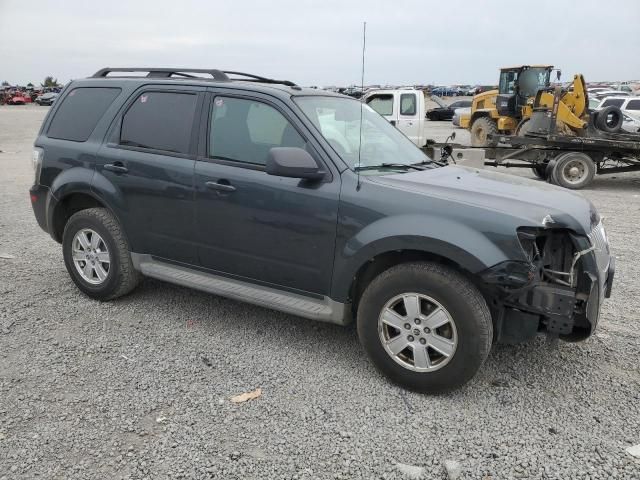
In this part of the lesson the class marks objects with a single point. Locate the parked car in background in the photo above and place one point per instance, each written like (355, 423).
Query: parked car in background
(444, 91)
(457, 113)
(444, 111)
(18, 99)
(630, 124)
(610, 93)
(628, 105)
(622, 87)
(46, 98)
(480, 88)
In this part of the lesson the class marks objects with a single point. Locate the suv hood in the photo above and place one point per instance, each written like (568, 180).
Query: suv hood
(527, 199)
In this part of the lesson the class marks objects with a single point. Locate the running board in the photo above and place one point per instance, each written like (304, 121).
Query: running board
(324, 310)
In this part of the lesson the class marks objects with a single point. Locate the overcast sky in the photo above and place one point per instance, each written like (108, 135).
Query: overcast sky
(319, 42)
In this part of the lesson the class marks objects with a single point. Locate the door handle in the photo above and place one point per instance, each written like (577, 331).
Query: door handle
(116, 167)
(221, 185)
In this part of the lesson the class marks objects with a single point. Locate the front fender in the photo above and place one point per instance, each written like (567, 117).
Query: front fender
(471, 249)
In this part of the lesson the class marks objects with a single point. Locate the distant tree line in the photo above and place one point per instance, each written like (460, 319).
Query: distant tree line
(49, 81)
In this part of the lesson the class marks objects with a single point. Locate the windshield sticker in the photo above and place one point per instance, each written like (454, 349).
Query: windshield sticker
(143, 98)
(219, 102)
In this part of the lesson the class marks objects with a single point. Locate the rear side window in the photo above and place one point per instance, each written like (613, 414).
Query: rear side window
(617, 102)
(408, 104)
(80, 112)
(633, 105)
(160, 121)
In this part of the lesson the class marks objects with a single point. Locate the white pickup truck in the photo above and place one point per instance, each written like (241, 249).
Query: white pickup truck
(405, 108)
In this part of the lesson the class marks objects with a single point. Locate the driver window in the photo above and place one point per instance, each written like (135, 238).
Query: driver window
(245, 130)
(382, 103)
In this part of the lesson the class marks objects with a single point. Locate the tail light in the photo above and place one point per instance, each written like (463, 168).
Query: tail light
(36, 163)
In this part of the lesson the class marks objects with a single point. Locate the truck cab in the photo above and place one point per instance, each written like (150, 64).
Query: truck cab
(403, 108)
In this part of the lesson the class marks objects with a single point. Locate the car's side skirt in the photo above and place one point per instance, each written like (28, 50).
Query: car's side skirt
(325, 309)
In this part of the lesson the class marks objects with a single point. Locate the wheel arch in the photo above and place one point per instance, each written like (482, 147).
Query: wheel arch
(388, 259)
(70, 203)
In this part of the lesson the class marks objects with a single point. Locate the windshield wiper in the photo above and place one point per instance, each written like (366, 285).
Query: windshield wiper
(402, 166)
(430, 161)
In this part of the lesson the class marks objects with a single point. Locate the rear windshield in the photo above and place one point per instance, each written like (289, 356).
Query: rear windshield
(80, 112)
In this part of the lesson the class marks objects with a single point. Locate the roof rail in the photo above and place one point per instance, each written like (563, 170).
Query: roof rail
(186, 73)
(257, 78)
(164, 72)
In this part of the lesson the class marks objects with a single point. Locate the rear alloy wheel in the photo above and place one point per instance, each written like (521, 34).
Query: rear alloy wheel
(573, 170)
(96, 254)
(481, 129)
(425, 326)
(90, 256)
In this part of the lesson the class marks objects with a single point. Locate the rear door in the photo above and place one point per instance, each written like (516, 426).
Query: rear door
(148, 162)
(408, 118)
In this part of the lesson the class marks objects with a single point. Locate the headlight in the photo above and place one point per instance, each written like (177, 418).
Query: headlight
(36, 163)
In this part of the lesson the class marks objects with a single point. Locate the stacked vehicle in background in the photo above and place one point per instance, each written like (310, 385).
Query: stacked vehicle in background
(550, 128)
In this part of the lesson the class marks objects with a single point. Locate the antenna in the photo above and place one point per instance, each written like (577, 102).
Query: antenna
(364, 44)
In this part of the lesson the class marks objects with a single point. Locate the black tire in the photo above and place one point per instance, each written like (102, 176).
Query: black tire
(121, 276)
(573, 170)
(457, 296)
(540, 171)
(481, 128)
(609, 119)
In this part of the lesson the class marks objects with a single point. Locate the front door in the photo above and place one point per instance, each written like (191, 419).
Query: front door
(148, 163)
(272, 230)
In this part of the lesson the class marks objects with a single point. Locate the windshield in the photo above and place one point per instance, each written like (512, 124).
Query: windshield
(338, 120)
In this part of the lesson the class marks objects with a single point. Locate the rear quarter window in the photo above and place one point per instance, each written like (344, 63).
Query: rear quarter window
(633, 105)
(80, 111)
(617, 102)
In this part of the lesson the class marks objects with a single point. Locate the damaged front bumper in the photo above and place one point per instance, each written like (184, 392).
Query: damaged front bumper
(559, 291)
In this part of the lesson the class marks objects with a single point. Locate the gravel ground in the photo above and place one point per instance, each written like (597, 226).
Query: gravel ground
(140, 387)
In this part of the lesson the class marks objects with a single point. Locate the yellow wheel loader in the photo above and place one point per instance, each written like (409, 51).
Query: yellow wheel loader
(521, 91)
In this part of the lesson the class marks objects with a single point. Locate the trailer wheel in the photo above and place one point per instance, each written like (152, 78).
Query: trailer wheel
(481, 128)
(573, 170)
(609, 119)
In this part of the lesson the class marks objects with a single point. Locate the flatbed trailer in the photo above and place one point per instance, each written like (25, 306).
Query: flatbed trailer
(565, 160)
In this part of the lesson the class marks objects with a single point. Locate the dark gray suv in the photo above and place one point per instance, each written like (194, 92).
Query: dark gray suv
(311, 203)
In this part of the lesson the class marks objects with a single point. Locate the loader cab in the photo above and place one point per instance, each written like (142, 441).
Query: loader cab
(519, 84)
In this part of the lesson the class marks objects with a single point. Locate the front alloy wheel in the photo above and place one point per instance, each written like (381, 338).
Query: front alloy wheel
(425, 326)
(417, 332)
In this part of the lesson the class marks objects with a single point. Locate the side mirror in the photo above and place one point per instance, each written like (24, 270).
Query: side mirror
(293, 163)
(558, 75)
(453, 135)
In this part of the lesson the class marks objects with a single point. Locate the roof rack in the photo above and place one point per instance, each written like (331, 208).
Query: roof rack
(257, 78)
(164, 72)
(186, 73)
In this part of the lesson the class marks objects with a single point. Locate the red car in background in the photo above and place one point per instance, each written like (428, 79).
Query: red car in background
(18, 99)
